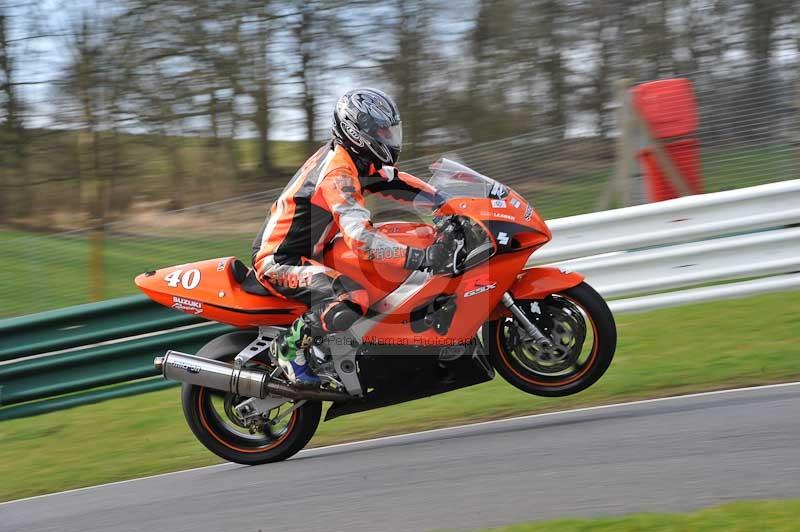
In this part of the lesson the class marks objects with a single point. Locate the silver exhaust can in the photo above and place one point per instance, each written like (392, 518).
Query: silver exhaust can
(213, 374)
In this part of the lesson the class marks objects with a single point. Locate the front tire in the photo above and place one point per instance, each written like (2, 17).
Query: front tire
(212, 421)
(585, 335)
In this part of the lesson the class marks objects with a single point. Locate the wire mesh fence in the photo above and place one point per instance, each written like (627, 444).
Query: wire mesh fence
(749, 134)
(749, 125)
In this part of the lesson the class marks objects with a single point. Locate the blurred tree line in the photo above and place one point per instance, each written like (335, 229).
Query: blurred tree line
(175, 102)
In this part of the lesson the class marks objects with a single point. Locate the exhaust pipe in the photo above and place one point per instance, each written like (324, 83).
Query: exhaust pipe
(246, 382)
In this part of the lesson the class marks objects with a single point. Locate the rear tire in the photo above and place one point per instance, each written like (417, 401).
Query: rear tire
(499, 336)
(217, 433)
(226, 444)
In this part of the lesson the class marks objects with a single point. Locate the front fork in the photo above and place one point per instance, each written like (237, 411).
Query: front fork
(533, 331)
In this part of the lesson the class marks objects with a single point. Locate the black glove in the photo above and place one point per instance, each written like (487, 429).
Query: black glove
(434, 257)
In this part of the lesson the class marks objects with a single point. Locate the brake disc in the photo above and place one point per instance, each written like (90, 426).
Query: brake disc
(562, 322)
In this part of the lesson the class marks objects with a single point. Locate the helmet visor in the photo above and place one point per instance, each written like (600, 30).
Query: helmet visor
(390, 135)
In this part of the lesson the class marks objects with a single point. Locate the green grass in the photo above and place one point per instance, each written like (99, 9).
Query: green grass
(726, 169)
(781, 515)
(671, 351)
(42, 272)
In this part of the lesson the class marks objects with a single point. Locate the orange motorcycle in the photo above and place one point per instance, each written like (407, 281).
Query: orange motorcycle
(543, 330)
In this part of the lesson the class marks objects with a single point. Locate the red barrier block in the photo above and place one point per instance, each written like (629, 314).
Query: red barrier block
(685, 154)
(667, 106)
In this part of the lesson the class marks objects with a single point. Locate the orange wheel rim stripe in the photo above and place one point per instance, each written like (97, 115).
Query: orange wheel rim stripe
(589, 362)
(262, 449)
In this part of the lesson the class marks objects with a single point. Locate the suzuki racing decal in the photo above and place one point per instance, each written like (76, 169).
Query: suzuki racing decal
(478, 285)
(505, 234)
(187, 305)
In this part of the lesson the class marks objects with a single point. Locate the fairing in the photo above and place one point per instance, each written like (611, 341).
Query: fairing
(512, 222)
(208, 289)
(475, 294)
(538, 283)
(397, 297)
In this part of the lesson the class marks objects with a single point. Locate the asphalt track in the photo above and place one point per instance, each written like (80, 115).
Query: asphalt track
(672, 454)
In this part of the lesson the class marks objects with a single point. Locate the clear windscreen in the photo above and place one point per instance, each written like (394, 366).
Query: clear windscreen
(454, 180)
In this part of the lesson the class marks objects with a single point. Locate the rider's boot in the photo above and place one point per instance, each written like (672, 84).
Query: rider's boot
(290, 346)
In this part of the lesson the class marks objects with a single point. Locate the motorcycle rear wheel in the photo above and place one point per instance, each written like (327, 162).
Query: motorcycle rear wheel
(584, 334)
(211, 420)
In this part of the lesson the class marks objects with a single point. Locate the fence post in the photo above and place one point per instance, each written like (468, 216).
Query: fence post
(97, 281)
(619, 186)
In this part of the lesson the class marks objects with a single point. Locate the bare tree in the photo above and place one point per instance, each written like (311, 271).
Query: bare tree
(255, 79)
(307, 37)
(410, 68)
(491, 106)
(325, 33)
(597, 19)
(553, 44)
(9, 128)
(13, 138)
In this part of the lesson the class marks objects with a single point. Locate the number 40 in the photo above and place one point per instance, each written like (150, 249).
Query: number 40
(189, 279)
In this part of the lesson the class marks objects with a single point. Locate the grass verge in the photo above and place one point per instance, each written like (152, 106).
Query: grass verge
(740, 516)
(66, 281)
(60, 263)
(671, 351)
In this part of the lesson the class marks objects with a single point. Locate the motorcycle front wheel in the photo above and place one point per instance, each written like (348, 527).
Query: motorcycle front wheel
(584, 337)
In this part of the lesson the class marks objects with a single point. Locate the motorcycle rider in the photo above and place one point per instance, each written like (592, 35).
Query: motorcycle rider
(326, 197)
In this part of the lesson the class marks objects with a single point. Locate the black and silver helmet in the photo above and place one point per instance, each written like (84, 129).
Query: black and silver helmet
(367, 122)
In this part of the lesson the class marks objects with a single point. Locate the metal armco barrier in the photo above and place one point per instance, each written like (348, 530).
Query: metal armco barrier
(61, 329)
(675, 245)
(95, 366)
(90, 353)
(68, 361)
(689, 219)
